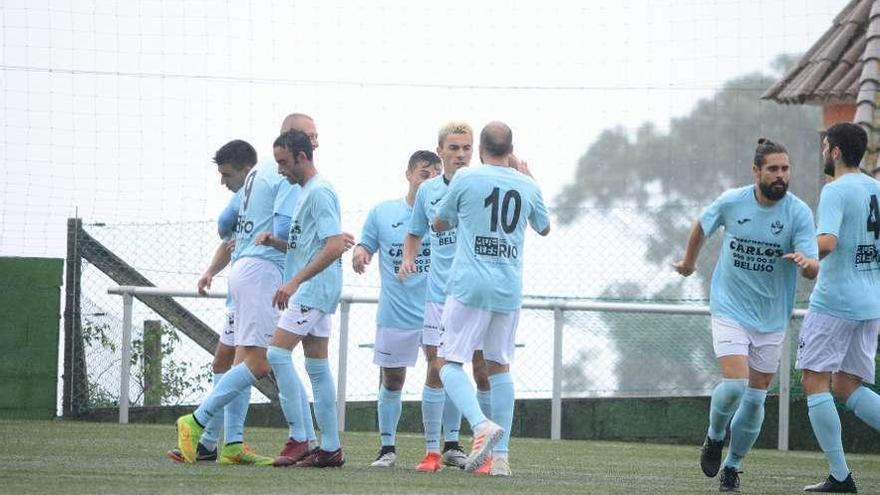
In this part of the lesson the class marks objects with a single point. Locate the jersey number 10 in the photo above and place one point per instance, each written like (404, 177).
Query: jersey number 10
(493, 200)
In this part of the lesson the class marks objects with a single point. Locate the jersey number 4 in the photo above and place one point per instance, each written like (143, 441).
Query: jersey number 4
(492, 200)
(874, 217)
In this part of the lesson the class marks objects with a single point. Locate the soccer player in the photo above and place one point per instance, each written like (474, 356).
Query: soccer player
(266, 205)
(768, 234)
(455, 148)
(309, 297)
(234, 161)
(401, 312)
(490, 205)
(838, 341)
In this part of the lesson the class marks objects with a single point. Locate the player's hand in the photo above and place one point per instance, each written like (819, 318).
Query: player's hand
(282, 295)
(406, 267)
(263, 239)
(801, 260)
(683, 269)
(360, 259)
(349, 240)
(204, 283)
(521, 166)
(230, 245)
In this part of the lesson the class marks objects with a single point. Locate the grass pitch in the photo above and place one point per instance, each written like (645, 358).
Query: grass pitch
(72, 457)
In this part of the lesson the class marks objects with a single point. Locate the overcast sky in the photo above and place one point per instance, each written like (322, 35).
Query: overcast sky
(113, 109)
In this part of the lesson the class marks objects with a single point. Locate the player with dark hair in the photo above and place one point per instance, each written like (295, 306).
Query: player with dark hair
(768, 234)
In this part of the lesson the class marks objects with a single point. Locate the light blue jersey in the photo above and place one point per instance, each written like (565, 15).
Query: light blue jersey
(315, 218)
(226, 223)
(401, 304)
(752, 285)
(849, 277)
(491, 206)
(428, 199)
(228, 219)
(266, 196)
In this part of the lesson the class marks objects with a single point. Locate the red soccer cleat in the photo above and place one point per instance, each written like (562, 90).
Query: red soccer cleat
(292, 453)
(430, 464)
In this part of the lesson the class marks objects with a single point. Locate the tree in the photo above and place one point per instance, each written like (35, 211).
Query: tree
(668, 177)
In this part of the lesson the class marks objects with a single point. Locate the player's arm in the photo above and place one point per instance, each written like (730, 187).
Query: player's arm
(827, 244)
(278, 237)
(363, 252)
(830, 217)
(333, 248)
(687, 265)
(539, 218)
(447, 211)
(228, 217)
(418, 225)
(411, 245)
(218, 263)
(805, 252)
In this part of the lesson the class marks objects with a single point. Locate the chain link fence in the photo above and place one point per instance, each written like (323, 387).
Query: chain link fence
(600, 257)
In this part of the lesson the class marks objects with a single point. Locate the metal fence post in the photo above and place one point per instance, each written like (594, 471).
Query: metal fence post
(784, 391)
(556, 402)
(344, 307)
(125, 365)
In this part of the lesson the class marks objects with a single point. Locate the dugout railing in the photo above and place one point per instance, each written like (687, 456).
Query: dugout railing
(558, 307)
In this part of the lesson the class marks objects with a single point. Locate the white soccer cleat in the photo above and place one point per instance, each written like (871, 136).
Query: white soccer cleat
(485, 439)
(385, 460)
(500, 467)
(455, 457)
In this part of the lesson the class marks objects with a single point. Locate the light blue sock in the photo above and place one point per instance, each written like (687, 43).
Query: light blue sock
(460, 390)
(502, 406)
(388, 408)
(725, 400)
(289, 390)
(235, 416)
(308, 422)
(211, 433)
(234, 381)
(826, 427)
(433, 400)
(746, 426)
(451, 419)
(484, 397)
(865, 403)
(325, 402)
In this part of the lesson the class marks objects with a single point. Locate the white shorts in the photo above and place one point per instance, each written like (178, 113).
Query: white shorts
(396, 347)
(252, 283)
(433, 321)
(303, 320)
(227, 335)
(465, 329)
(831, 344)
(729, 338)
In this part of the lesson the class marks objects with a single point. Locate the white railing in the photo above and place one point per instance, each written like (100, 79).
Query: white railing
(558, 306)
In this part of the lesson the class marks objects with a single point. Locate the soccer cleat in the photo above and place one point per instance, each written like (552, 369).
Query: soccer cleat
(321, 459)
(485, 468)
(430, 464)
(188, 433)
(455, 457)
(484, 441)
(385, 460)
(500, 467)
(242, 454)
(710, 456)
(831, 485)
(202, 454)
(292, 453)
(729, 479)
